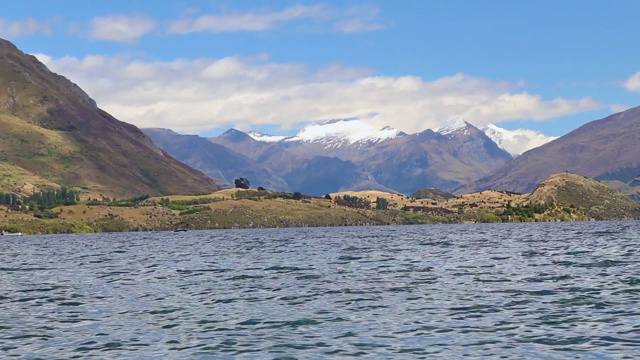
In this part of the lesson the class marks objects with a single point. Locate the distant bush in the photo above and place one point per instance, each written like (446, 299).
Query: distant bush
(193, 210)
(251, 194)
(488, 217)
(353, 201)
(527, 211)
(46, 214)
(130, 202)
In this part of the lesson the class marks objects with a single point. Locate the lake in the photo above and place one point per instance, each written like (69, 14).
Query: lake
(512, 291)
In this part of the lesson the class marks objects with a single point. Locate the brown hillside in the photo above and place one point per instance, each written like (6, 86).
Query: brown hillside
(607, 149)
(51, 129)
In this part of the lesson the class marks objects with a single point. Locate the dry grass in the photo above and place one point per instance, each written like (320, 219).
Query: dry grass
(590, 199)
(395, 200)
(489, 199)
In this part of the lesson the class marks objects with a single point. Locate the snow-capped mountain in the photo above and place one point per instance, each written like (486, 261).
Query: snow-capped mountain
(341, 132)
(517, 141)
(352, 154)
(453, 126)
(256, 135)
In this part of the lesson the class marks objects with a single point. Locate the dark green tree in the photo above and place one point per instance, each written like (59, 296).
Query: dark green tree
(382, 203)
(242, 183)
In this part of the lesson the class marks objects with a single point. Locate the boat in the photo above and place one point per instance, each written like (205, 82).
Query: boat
(6, 233)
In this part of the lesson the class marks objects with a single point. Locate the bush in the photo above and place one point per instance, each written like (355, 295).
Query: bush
(488, 217)
(353, 201)
(242, 183)
(382, 203)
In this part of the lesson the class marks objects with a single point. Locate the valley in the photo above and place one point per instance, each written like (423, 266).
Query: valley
(341, 172)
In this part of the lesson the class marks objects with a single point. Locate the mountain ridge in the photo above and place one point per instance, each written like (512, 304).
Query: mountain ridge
(357, 158)
(606, 149)
(51, 128)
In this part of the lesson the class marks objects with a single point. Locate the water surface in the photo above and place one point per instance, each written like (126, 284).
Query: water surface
(547, 291)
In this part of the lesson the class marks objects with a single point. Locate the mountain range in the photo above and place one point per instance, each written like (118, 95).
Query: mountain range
(607, 150)
(342, 155)
(349, 154)
(53, 134)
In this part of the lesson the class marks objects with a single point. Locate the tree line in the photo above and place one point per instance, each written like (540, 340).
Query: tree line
(43, 199)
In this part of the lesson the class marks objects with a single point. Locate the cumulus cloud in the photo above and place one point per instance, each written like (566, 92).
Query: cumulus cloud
(23, 27)
(198, 95)
(633, 83)
(516, 141)
(121, 28)
(254, 20)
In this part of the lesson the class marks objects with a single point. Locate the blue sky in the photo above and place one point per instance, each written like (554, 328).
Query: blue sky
(205, 66)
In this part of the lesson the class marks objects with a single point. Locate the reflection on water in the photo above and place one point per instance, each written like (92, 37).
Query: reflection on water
(513, 290)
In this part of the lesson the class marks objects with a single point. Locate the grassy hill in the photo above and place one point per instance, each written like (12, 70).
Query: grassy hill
(562, 197)
(53, 134)
(596, 200)
(574, 197)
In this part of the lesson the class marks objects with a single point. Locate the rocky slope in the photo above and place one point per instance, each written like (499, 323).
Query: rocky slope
(217, 161)
(53, 132)
(379, 158)
(607, 150)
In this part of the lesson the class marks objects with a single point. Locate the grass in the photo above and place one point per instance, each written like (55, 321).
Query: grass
(567, 198)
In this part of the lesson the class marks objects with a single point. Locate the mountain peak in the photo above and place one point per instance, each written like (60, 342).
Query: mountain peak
(235, 135)
(339, 132)
(453, 126)
(256, 135)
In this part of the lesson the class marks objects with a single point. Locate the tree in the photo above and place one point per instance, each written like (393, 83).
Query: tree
(260, 188)
(297, 195)
(382, 203)
(328, 197)
(242, 183)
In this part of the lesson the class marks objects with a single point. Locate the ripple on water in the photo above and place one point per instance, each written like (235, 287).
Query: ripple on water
(560, 291)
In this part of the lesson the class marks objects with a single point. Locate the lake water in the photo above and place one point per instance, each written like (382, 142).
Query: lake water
(514, 291)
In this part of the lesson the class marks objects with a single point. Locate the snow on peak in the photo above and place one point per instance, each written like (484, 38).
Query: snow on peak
(453, 126)
(334, 133)
(517, 141)
(256, 135)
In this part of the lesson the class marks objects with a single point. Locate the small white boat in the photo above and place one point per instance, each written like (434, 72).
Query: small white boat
(6, 233)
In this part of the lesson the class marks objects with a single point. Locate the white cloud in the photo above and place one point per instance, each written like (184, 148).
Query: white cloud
(199, 95)
(633, 83)
(121, 28)
(523, 105)
(359, 19)
(616, 108)
(516, 141)
(250, 21)
(354, 19)
(23, 27)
